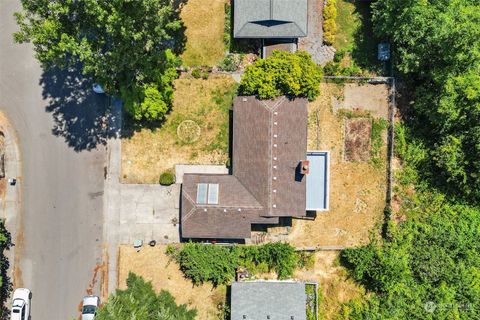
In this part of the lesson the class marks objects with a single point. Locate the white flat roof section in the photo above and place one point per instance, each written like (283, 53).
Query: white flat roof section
(318, 181)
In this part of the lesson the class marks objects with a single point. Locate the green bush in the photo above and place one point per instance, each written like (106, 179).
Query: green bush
(218, 264)
(201, 72)
(230, 63)
(283, 73)
(201, 263)
(329, 24)
(167, 178)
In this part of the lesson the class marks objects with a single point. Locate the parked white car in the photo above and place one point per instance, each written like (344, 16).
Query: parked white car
(21, 304)
(90, 305)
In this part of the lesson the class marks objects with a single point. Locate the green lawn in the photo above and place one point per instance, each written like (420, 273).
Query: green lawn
(348, 21)
(355, 34)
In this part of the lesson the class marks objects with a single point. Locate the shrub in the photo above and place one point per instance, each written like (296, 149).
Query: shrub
(230, 63)
(202, 72)
(201, 263)
(329, 24)
(283, 73)
(167, 178)
(218, 264)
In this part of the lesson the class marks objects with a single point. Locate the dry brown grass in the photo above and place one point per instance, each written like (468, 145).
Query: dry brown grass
(153, 265)
(148, 152)
(357, 189)
(335, 287)
(205, 26)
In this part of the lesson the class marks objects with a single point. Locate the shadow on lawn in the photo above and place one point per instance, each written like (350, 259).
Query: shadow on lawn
(364, 49)
(80, 115)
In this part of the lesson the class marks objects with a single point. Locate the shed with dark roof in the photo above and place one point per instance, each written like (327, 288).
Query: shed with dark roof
(272, 19)
(275, 300)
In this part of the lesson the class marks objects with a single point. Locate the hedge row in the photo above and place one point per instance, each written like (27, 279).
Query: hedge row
(218, 264)
(329, 24)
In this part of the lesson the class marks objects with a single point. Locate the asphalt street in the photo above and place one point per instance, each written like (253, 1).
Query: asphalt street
(59, 125)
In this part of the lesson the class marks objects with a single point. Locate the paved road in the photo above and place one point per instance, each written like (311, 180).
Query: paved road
(63, 174)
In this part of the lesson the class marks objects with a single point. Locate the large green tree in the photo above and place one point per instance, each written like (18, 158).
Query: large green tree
(140, 302)
(125, 45)
(437, 47)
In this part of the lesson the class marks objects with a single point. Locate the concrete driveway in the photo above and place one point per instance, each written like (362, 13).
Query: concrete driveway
(58, 121)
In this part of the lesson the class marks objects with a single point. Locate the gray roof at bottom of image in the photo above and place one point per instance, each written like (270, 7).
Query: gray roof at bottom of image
(278, 299)
(270, 18)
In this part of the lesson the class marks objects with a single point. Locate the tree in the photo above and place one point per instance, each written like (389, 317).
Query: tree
(283, 73)
(436, 46)
(139, 302)
(124, 45)
(431, 258)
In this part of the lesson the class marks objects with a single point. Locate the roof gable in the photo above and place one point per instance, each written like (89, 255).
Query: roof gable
(270, 18)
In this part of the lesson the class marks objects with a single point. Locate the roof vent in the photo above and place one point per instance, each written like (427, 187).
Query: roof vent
(305, 167)
(274, 206)
(244, 99)
(274, 178)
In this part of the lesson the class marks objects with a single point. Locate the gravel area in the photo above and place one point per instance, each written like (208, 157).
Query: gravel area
(313, 42)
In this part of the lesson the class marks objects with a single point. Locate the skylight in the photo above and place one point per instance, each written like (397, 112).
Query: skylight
(207, 193)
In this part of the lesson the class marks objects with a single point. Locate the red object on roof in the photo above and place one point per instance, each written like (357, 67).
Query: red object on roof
(305, 167)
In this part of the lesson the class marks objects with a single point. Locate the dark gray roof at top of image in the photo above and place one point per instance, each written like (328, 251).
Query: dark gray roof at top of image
(276, 299)
(270, 18)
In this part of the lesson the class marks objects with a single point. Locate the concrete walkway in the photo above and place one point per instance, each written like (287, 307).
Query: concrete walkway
(134, 211)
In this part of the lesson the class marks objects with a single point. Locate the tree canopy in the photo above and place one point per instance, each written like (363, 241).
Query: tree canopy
(126, 46)
(437, 47)
(283, 73)
(139, 302)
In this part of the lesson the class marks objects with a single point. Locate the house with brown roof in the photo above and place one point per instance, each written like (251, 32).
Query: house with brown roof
(268, 179)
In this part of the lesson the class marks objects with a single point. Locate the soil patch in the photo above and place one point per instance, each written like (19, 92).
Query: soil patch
(372, 98)
(155, 266)
(357, 139)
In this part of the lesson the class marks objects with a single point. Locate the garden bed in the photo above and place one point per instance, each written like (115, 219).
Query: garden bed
(196, 131)
(357, 188)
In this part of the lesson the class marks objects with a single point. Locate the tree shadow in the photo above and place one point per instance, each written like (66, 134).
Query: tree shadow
(364, 51)
(80, 115)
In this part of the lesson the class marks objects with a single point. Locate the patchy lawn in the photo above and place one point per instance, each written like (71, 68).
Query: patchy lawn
(196, 131)
(335, 287)
(154, 265)
(204, 31)
(357, 188)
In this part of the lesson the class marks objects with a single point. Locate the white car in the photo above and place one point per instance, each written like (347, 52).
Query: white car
(90, 305)
(21, 304)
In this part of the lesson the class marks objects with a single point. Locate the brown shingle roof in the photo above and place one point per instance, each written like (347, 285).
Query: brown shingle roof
(269, 141)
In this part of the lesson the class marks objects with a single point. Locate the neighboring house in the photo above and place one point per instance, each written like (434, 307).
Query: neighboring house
(268, 179)
(275, 300)
(279, 23)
